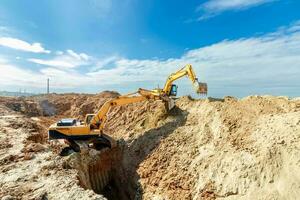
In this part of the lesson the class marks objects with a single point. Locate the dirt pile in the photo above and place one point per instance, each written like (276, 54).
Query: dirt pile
(20, 105)
(203, 149)
(229, 149)
(28, 167)
(75, 105)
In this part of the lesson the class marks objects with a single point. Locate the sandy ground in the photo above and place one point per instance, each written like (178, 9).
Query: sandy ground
(29, 169)
(203, 149)
(247, 149)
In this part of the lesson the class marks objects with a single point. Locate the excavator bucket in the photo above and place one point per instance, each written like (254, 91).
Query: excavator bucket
(202, 88)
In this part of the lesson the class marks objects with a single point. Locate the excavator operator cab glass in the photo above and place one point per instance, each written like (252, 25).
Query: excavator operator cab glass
(173, 91)
(89, 118)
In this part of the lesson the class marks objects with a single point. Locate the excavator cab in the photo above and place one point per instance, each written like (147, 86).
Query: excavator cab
(88, 118)
(173, 91)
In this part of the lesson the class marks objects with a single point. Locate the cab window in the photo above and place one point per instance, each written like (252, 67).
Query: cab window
(173, 91)
(89, 118)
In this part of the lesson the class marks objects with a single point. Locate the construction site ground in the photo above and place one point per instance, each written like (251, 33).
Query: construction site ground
(210, 148)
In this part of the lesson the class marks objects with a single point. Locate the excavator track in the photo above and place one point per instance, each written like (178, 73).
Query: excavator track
(97, 143)
(73, 147)
(100, 143)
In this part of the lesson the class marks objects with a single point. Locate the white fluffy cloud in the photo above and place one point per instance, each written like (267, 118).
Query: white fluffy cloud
(222, 5)
(214, 7)
(70, 59)
(18, 44)
(16, 76)
(265, 63)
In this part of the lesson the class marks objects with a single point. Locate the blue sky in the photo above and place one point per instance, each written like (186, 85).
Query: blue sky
(239, 47)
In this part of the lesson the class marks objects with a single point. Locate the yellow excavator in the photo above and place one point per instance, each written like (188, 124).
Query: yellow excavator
(91, 129)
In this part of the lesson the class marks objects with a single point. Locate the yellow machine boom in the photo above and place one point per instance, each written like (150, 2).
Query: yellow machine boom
(98, 121)
(187, 70)
(91, 128)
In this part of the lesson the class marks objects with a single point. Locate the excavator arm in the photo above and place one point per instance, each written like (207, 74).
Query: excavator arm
(98, 121)
(187, 70)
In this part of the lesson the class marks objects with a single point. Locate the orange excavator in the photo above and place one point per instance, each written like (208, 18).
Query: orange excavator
(91, 129)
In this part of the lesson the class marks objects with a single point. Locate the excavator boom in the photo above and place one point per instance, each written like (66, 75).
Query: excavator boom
(187, 70)
(98, 121)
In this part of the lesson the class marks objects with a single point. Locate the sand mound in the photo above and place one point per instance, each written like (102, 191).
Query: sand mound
(76, 105)
(203, 149)
(229, 149)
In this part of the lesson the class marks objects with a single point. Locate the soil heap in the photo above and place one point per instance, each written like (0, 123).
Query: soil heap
(202, 149)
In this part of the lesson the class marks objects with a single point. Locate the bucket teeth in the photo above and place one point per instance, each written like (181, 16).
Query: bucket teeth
(202, 88)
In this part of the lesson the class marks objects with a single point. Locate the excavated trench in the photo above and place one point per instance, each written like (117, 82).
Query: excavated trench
(104, 173)
(113, 172)
(100, 173)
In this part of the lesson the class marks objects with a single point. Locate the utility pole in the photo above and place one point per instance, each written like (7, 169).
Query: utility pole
(48, 86)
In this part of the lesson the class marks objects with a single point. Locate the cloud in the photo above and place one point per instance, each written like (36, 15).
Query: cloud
(262, 64)
(105, 63)
(214, 7)
(18, 77)
(15, 76)
(22, 45)
(59, 53)
(4, 29)
(69, 59)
